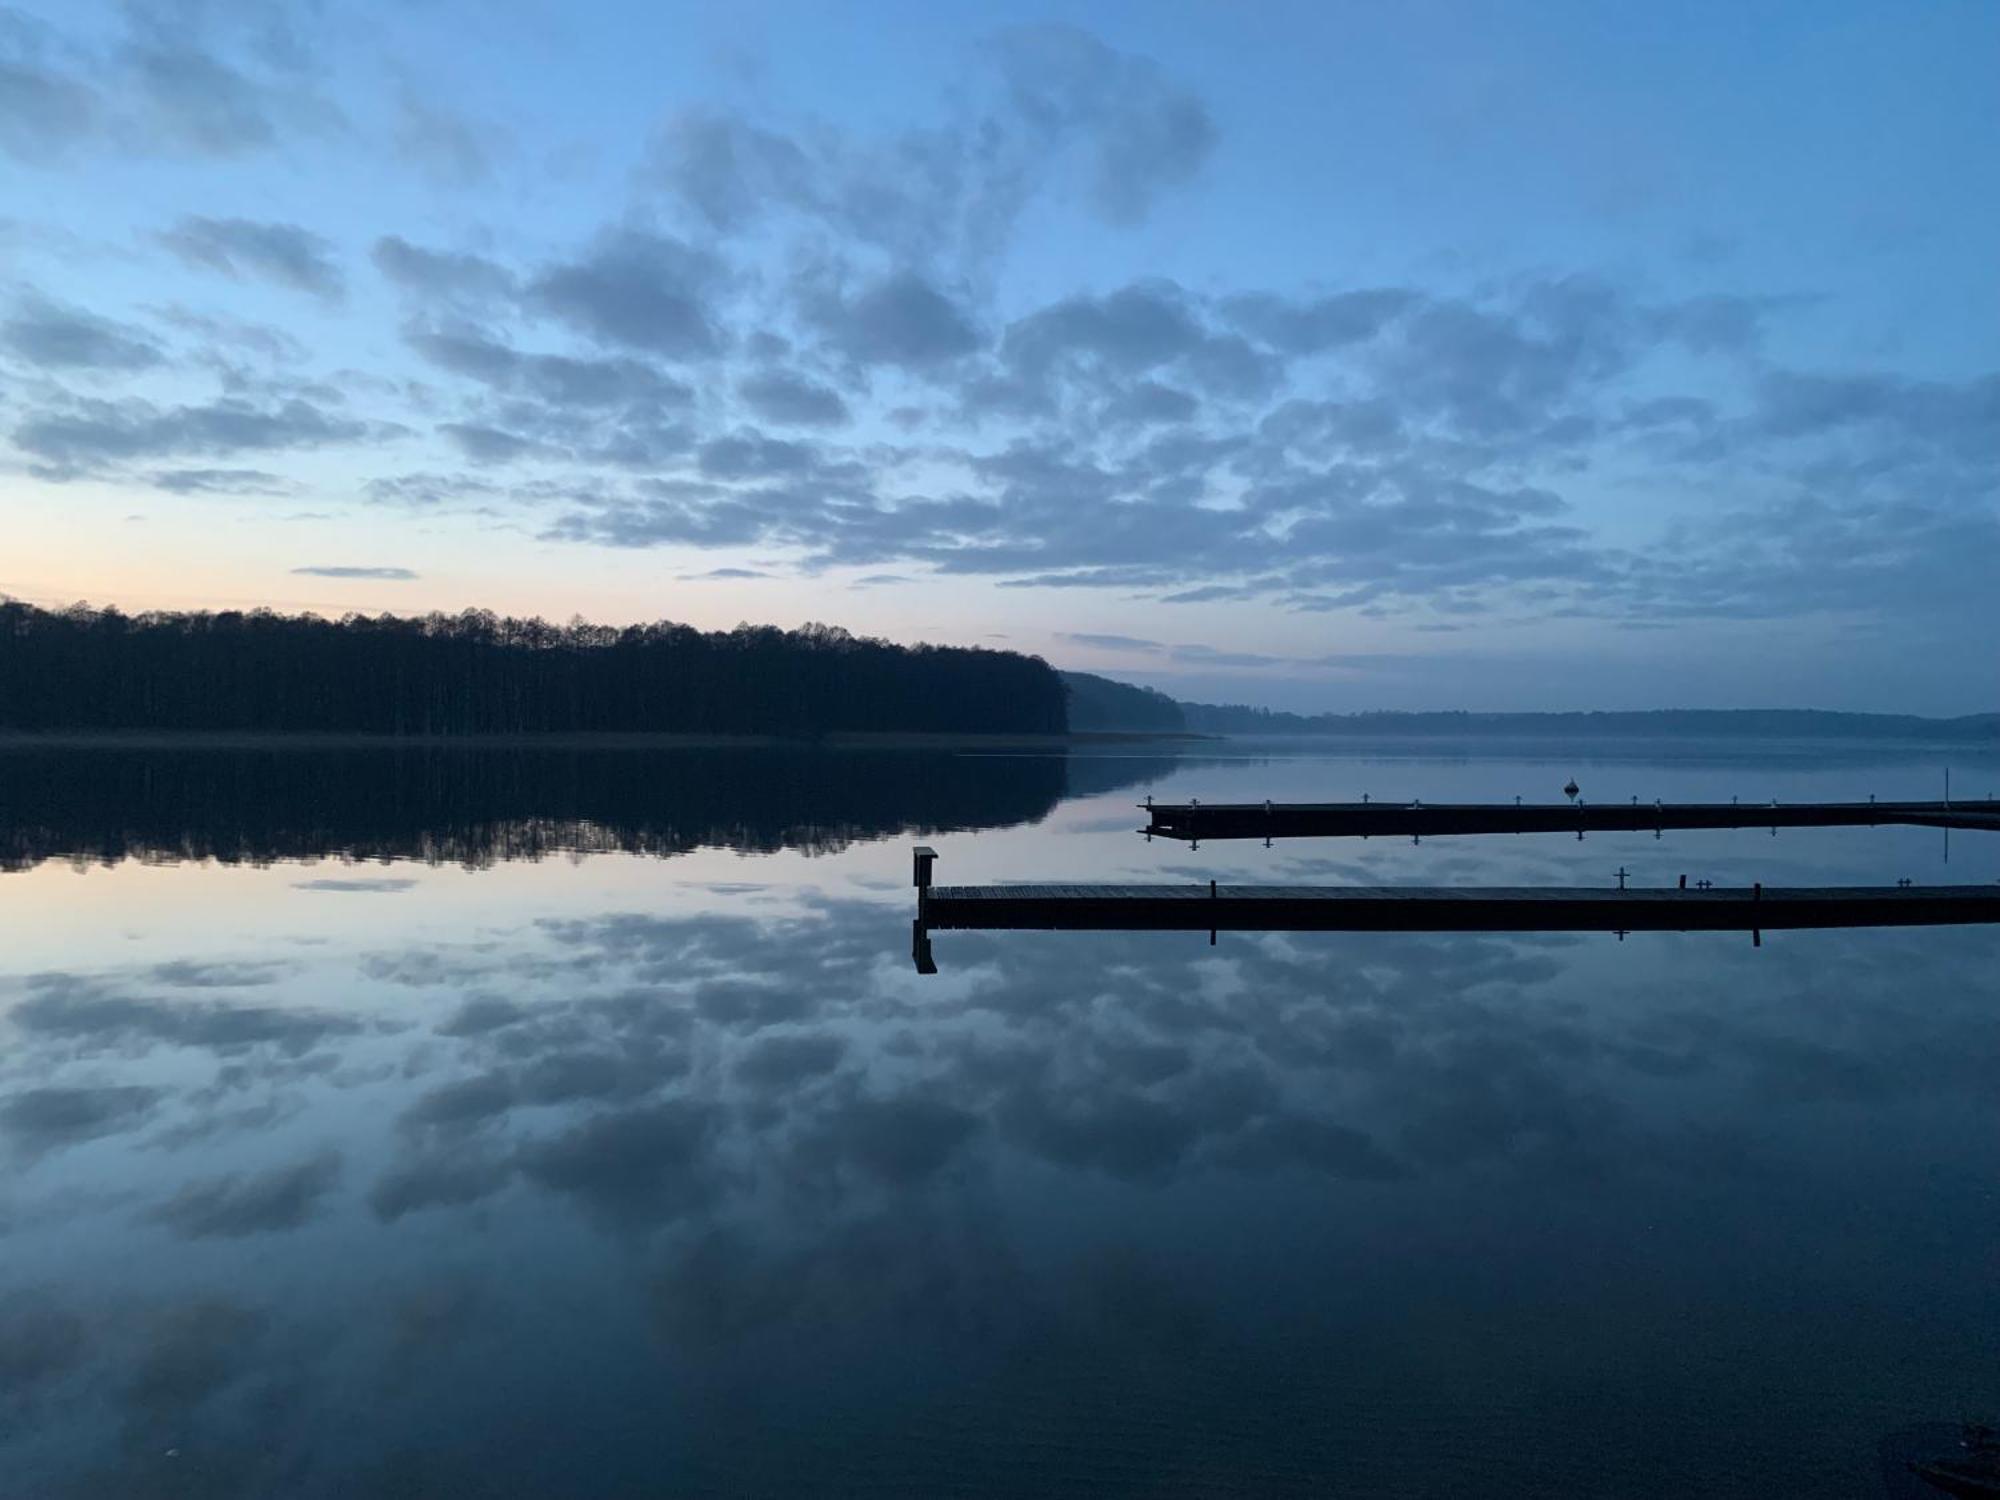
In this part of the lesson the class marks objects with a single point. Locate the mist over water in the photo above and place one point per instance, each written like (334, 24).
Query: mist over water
(558, 1123)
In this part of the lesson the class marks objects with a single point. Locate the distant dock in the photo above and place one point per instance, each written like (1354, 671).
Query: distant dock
(1194, 821)
(1214, 908)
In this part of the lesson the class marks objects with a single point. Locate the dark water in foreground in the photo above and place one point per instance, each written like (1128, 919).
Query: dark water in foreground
(480, 1166)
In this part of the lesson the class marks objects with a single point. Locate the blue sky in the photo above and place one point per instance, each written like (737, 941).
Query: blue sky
(1325, 356)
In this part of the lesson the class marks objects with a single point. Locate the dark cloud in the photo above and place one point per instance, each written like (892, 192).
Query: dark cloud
(558, 380)
(236, 1205)
(450, 150)
(464, 1103)
(1322, 323)
(638, 290)
(790, 399)
(489, 445)
(722, 575)
(218, 332)
(1315, 1144)
(40, 1344)
(728, 170)
(632, 1167)
(221, 482)
(55, 337)
(1112, 642)
(1144, 135)
(899, 320)
(192, 99)
(441, 275)
(360, 885)
(344, 570)
(900, 1139)
(448, 1181)
(248, 248)
(193, 974)
(777, 1063)
(91, 433)
(44, 1119)
(92, 1016)
(43, 112)
(192, 1351)
(483, 1014)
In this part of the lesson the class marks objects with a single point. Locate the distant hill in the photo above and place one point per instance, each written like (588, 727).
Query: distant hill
(1097, 705)
(1685, 723)
(1100, 704)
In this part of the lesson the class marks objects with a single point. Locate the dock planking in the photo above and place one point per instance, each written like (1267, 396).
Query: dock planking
(1307, 908)
(1193, 821)
(1214, 908)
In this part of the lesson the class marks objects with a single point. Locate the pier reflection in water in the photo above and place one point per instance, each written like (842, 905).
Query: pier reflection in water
(665, 1175)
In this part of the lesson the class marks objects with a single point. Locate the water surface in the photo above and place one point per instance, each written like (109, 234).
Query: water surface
(510, 1124)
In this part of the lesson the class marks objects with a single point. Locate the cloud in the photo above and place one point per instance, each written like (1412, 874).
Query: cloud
(639, 290)
(91, 433)
(441, 275)
(248, 248)
(365, 886)
(191, 1351)
(56, 337)
(449, 1181)
(40, 1344)
(96, 1017)
(1111, 642)
(900, 319)
(43, 112)
(44, 1119)
(633, 1167)
(198, 974)
(194, 100)
(1316, 325)
(382, 575)
(728, 170)
(237, 1205)
(221, 482)
(1144, 135)
(560, 381)
(785, 1062)
(448, 149)
(792, 400)
(489, 445)
(721, 575)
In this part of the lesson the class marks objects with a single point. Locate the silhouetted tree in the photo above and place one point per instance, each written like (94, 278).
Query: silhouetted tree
(480, 673)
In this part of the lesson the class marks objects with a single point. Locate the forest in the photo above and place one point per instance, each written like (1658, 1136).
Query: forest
(479, 673)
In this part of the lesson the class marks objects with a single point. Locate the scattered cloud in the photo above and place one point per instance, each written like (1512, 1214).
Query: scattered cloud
(237, 1205)
(52, 336)
(377, 574)
(250, 249)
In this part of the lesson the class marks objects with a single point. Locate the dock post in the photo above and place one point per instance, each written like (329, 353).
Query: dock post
(1211, 918)
(920, 947)
(922, 858)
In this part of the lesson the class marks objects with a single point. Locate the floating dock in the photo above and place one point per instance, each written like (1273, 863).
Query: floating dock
(1194, 821)
(1214, 908)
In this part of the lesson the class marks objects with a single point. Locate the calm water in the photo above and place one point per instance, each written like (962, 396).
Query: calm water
(575, 1125)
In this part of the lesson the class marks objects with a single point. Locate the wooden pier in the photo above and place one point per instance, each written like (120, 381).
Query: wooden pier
(1214, 908)
(1194, 821)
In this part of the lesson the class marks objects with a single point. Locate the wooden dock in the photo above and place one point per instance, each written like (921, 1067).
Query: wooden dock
(1194, 821)
(1214, 908)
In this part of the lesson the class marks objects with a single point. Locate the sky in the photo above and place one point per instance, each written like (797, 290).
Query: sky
(1326, 356)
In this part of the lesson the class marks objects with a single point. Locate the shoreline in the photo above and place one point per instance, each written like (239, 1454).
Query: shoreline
(230, 739)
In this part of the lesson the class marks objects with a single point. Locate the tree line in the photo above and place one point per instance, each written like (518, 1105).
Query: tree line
(480, 673)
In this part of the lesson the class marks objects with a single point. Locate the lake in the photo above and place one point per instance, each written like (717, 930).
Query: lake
(574, 1123)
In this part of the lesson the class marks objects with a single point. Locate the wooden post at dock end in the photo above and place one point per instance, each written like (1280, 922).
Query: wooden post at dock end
(920, 947)
(923, 857)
